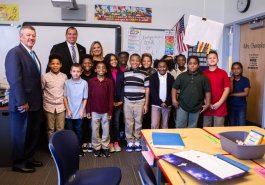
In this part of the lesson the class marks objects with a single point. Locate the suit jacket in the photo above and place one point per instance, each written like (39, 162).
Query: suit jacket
(63, 50)
(154, 89)
(24, 79)
(119, 86)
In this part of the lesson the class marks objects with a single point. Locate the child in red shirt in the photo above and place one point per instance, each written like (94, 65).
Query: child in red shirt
(220, 85)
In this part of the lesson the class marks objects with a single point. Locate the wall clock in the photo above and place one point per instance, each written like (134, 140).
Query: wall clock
(243, 5)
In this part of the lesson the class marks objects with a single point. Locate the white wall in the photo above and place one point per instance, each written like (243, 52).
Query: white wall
(165, 12)
(231, 14)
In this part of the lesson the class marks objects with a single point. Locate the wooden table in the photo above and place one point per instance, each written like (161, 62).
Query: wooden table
(205, 140)
(215, 130)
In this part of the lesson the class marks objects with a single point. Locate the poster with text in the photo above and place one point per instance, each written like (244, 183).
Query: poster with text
(123, 13)
(169, 42)
(9, 12)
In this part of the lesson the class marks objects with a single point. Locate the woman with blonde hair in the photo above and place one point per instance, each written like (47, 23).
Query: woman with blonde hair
(96, 50)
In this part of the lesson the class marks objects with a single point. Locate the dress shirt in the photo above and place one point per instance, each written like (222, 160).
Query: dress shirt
(37, 61)
(76, 51)
(53, 88)
(162, 87)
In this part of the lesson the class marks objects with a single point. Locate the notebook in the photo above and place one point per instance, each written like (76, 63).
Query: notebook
(205, 167)
(167, 140)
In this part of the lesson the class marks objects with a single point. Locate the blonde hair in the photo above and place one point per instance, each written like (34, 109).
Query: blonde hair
(92, 46)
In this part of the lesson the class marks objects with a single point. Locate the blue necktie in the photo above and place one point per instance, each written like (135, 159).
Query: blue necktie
(73, 54)
(34, 58)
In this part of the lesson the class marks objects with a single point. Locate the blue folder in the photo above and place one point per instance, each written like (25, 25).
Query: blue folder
(167, 140)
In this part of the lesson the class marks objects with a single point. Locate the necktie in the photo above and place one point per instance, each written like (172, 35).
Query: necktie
(34, 58)
(73, 54)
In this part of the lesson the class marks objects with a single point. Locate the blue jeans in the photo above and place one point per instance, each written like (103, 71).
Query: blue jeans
(115, 124)
(186, 119)
(237, 116)
(76, 126)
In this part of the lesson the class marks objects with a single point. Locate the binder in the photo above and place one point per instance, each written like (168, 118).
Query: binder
(167, 140)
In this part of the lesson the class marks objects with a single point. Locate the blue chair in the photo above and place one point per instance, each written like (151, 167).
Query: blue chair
(64, 148)
(146, 174)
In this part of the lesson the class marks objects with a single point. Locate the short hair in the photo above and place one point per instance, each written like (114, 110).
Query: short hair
(161, 61)
(26, 27)
(92, 45)
(71, 28)
(76, 65)
(212, 52)
(147, 55)
(195, 58)
(135, 55)
(124, 53)
(100, 63)
(179, 56)
(86, 56)
(55, 56)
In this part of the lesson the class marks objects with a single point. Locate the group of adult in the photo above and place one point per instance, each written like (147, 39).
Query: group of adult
(23, 72)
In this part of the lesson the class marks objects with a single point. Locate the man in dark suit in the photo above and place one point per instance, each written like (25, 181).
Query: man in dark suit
(70, 51)
(23, 75)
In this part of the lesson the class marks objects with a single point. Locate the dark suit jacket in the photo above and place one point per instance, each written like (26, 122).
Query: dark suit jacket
(23, 77)
(119, 86)
(154, 89)
(63, 50)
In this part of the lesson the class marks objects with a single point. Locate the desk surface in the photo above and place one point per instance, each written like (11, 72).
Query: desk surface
(216, 130)
(170, 171)
(193, 138)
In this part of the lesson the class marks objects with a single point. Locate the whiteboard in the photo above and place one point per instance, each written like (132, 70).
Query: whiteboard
(49, 34)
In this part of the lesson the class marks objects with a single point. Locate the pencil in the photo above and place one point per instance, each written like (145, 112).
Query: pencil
(183, 180)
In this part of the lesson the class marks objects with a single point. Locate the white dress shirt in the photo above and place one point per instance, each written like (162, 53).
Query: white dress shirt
(162, 87)
(76, 51)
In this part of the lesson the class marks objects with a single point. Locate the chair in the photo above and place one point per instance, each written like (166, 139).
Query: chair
(146, 174)
(64, 148)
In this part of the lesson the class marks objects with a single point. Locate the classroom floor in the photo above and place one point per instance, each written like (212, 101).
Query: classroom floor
(47, 175)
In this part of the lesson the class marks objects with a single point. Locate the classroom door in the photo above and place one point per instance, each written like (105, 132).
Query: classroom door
(252, 56)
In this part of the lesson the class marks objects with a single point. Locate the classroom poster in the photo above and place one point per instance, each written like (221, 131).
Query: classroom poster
(9, 12)
(206, 31)
(169, 42)
(123, 13)
(134, 41)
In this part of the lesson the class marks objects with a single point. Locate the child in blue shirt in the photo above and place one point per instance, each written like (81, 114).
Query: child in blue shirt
(75, 99)
(237, 103)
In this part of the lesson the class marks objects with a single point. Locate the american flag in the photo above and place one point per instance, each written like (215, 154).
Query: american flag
(180, 32)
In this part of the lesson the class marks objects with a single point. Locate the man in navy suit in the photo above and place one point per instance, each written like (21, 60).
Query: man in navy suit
(70, 51)
(23, 75)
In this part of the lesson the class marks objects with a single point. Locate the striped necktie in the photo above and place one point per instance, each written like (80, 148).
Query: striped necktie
(34, 58)
(73, 53)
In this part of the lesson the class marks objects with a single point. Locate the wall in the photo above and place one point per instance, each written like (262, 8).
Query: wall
(231, 14)
(165, 13)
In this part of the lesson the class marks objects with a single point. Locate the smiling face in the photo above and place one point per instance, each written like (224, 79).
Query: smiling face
(113, 61)
(123, 59)
(181, 61)
(76, 72)
(135, 62)
(101, 69)
(96, 50)
(236, 70)
(212, 59)
(193, 65)
(87, 64)
(71, 36)
(28, 37)
(55, 66)
(146, 62)
(162, 68)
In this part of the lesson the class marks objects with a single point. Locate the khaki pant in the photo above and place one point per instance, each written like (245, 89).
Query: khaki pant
(97, 141)
(55, 121)
(216, 121)
(160, 116)
(133, 115)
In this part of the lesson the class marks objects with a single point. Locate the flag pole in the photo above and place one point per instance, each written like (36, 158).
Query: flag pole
(177, 22)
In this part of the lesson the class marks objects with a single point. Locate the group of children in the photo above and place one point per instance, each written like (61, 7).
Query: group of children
(99, 91)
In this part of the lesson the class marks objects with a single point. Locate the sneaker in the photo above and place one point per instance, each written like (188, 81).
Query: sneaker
(84, 147)
(117, 147)
(111, 148)
(81, 153)
(137, 146)
(97, 153)
(89, 148)
(105, 152)
(129, 147)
